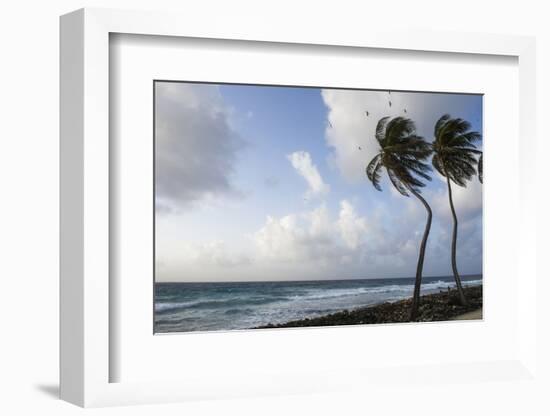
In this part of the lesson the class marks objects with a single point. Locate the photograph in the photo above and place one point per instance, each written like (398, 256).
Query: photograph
(297, 206)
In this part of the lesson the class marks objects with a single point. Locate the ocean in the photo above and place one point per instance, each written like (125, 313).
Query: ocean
(184, 307)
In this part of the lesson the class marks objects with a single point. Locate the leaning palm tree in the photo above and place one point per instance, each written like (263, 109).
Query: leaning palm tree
(455, 157)
(402, 154)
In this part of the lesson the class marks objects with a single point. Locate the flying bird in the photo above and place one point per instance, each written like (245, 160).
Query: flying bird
(367, 113)
(330, 124)
(405, 111)
(390, 103)
(359, 147)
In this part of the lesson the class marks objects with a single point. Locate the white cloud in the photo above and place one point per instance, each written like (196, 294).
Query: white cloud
(313, 235)
(350, 129)
(296, 238)
(352, 228)
(322, 243)
(195, 146)
(279, 238)
(318, 243)
(301, 161)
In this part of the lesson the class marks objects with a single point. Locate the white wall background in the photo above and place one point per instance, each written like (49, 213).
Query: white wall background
(29, 189)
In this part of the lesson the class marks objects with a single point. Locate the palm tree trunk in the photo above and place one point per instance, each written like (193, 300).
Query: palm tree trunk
(420, 264)
(463, 300)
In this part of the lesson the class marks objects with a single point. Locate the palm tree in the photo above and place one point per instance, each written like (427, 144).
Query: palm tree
(402, 153)
(454, 157)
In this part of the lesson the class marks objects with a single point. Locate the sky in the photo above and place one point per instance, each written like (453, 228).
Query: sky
(262, 183)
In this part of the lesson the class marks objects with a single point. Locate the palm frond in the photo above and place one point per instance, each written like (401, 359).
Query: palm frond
(373, 171)
(419, 168)
(454, 127)
(402, 189)
(465, 139)
(413, 145)
(381, 130)
(407, 178)
(440, 123)
(436, 162)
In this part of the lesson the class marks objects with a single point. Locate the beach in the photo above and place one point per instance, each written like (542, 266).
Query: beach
(442, 306)
(477, 314)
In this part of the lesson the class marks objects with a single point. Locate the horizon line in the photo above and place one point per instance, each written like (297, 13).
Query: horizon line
(314, 280)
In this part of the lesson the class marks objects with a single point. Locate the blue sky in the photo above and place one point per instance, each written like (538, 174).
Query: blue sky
(268, 183)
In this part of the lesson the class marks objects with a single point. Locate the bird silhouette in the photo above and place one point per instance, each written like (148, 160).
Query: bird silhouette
(359, 147)
(330, 124)
(405, 111)
(390, 103)
(367, 113)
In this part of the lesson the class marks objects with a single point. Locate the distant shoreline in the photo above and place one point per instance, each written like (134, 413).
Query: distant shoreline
(442, 306)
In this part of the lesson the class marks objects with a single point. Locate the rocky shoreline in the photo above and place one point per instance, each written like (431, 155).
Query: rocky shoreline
(440, 306)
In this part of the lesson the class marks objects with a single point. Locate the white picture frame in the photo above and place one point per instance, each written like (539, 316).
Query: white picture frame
(85, 221)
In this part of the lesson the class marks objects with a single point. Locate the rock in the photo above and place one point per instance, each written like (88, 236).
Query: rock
(436, 307)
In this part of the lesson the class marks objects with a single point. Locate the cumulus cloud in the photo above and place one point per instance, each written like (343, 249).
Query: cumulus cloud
(301, 161)
(340, 243)
(288, 240)
(313, 236)
(195, 146)
(344, 243)
(352, 228)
